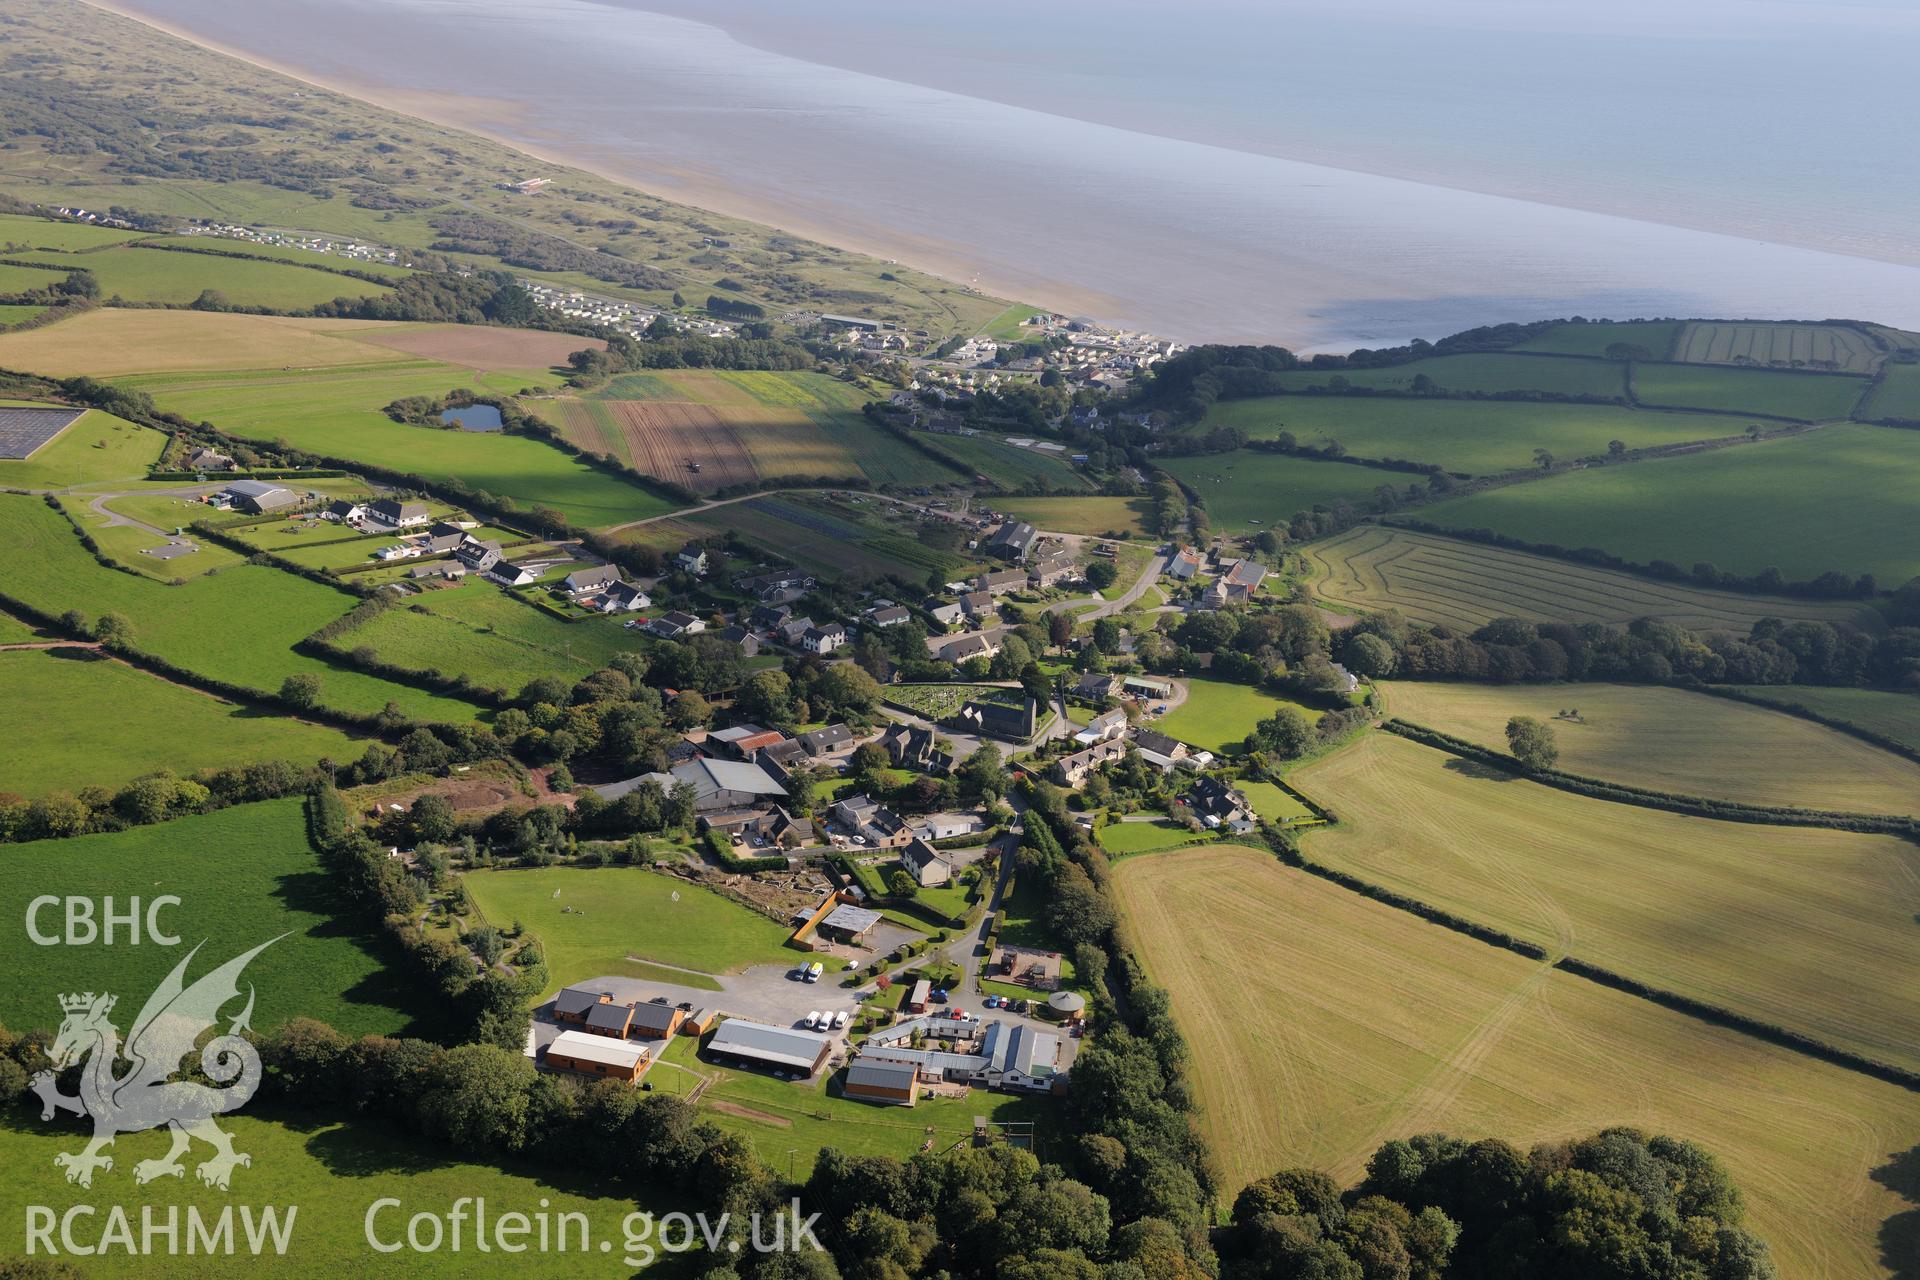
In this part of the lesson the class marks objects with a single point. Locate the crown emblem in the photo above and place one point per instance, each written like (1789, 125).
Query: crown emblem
(81, 1003)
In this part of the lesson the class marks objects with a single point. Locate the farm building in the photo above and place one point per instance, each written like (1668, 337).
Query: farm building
(833, 740)
(740, 741)
(591, 1055)
(849, 924)
(257, 496)
(877, 1080)
(1147, 686)
(726, 784)
(574, 1004)
(1011, 541)
(949, 826)
(1184, 564)
(614, 790)
(610, 1019)
(761, 1045)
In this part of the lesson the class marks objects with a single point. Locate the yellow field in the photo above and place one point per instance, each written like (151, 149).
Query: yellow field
(1323, 1024)
(1672, 740)
(105, 342)
(1809, 929)
(1445, 581)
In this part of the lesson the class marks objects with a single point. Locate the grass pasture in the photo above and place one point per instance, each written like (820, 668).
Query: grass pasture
(1440, 580)
(1897, 398)
(238, 625)
(17, 313)
(1593, 339)
(101, 723)
(1121, 839)
(1895, 716)
(830, 537)
(151, 275)
(494, 639)
(1007, 467)
(1217, 716)
(595, 922)
(1474, 437)
(1670, 739)
(1836, 346)
(243, 875)
(1489, 372)
(1366, 1024)
(333, 1173)
(1779, 393)
(1246, 491)
(1804, 928)
(60, 236)
(96, 447)
(1092, 517)
(19, 279)
(1842, 498)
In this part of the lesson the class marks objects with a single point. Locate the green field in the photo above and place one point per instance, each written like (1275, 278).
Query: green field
(619, 915)
(1367, 1023)
(148, 275)
(1274, 804)
(1218, 716)
(101, 723)
(1475, 437)
(1810, 397)
(494, 639)
(1898, 395)
(17, 313)
(1007, 467)
(238, 625)
(859, 536)
(1123, 838)
(1845, 498)
(1656, 336)
(98, 447)
(1440, 580)
(1010, 325)
(1841, 347)
(1673, 740)
(47, 233)
(1489, 372)
(337, 413)
(221, 245)
(19, 279)
(1895, 716)
(243, 875)
(1246, 491)
(1093, 517)
(1752, 918)
(329, 1174)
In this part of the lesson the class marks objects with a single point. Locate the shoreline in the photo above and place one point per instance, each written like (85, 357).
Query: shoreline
(710, 195)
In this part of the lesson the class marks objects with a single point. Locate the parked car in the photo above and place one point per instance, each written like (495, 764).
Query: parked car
(992, 1002)
(839, 1020)
(814, 971)
(811, 1020)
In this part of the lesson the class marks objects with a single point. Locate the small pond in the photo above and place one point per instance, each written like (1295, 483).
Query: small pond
(473, 417)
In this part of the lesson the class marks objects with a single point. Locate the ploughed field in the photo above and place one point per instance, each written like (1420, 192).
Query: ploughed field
(1323, 1024)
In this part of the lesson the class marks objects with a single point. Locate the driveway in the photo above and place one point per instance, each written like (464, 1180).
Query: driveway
(176, 545)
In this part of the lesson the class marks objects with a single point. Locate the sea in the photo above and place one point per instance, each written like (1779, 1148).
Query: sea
(1323, 174)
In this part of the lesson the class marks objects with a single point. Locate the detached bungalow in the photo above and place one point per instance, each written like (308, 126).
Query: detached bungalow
(508, 574)
(396, 514)
(582, 581)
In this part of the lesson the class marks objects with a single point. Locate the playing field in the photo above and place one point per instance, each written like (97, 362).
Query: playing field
(97, 447)
(1891, 715)
(1093, 517)
(1821, 346)
(1897, 398)
(1845, 498)
(1800, 927)
(1810, 397)
(1673, 740)
(243, 875)
(101, 723)
(1593, 339)
(1440, 580)
(595, 922)
(1323, 1024)
(1218, 716)
(1489, 372)
(238, 625)
(1476, 437)
(152, 275)
(325, 1175)
(1246, 491)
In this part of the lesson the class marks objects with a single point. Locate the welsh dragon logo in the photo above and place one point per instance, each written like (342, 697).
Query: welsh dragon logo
(146, 1096)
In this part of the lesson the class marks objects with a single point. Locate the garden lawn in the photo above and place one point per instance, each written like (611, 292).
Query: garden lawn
(94, 448)
(1247, 491)
(592, 922)
(1371, 1024)
(243, 876)
(1274, 803)
(1475, 437)
(96, 722)
(1674, 740)
(1843, 498)
(326, 1175)
(238, 625)
(1781, 393)
(1123, 838)
(1217, 716)
(1756, 919)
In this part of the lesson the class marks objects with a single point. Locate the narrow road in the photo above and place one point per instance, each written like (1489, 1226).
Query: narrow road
(1120, 603)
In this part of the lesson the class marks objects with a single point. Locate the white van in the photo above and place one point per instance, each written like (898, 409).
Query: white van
(812, 1019)
(814, 971)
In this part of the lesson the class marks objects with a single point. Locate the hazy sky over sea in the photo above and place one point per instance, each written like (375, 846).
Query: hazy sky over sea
(1319, 173)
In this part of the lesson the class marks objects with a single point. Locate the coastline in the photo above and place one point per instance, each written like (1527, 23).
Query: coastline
(462, 113)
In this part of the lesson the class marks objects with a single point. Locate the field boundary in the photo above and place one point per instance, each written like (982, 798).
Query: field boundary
(1867, 736)
(1647, 798)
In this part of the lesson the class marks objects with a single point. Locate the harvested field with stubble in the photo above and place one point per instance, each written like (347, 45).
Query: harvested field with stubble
(1836, 346)
(105, 342)
(483, 348)
(1361, 1023)
(1440, 580)
(1673, 740)
(1799, 927)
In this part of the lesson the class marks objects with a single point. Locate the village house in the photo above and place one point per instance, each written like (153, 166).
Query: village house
(1106, 725)
(794, 630)
(1049, 570)
(741, 639)
(691, 559)
(398, 514)
(509, 574)
(624, 597)
(944, 612)
(977, 644)
(769, 617)
(1073, 770)
(609, 1019)
(1000, 582)
(476, 556)
(978, 604)
(209, 460)
(824, 639)
(574, 1003)
(257, 497)
(440, 538)
(585, 581)
(675, 623)
(910, 747)
(1096, 687)
(1215, 804)
(1235, 586)
(949, 826)
(927, 865)
(344, 511)
(1158, 750)
(891, 616)
(774, 826)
